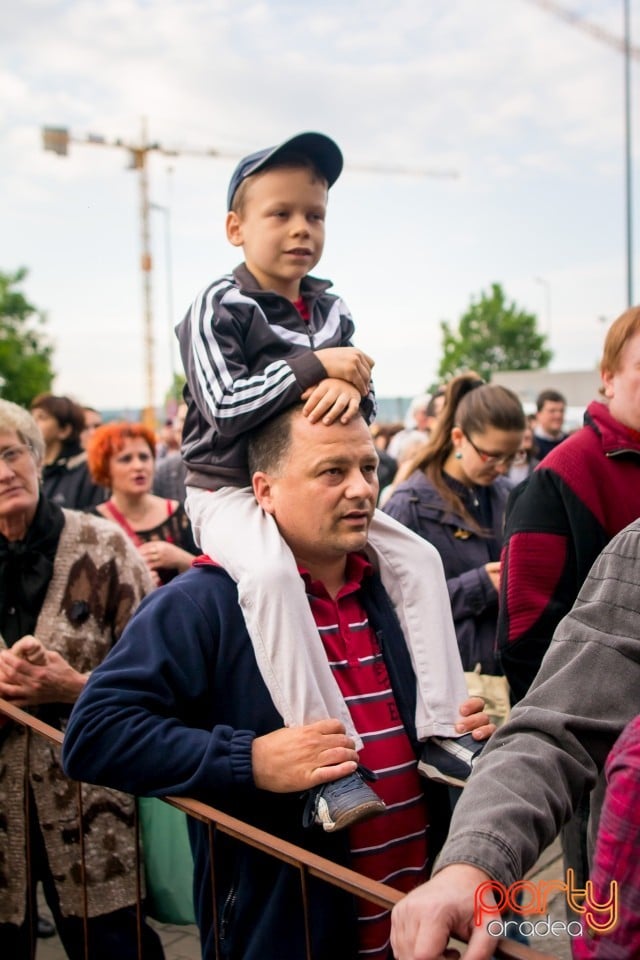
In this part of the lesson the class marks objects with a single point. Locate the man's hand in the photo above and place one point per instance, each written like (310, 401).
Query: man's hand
(331, 399)
(423, 921)
(297, 758)
(26, 684)
(347, 363)
(473, 719)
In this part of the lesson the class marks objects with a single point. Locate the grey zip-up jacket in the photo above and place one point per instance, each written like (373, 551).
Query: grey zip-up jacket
(537, 766)
(248, 355)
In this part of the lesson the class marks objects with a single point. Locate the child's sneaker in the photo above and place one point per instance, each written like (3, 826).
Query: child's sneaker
(450, 759)
(342, 802)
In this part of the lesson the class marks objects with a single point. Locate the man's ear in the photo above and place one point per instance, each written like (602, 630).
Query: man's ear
(262, 491)
(234, 229)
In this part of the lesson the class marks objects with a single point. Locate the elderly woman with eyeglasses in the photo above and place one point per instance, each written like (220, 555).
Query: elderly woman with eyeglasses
(455, 495)
(68, 584)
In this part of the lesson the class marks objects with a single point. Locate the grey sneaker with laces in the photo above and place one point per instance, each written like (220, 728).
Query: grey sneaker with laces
(338, 804)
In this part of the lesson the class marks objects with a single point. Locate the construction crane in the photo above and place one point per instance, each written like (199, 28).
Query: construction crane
(575, 19)
(622, 45)
(58, 139)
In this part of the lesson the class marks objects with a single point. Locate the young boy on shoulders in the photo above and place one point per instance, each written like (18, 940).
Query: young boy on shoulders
(253, 343)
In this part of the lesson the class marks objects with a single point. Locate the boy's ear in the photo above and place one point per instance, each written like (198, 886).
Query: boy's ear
(234, 229)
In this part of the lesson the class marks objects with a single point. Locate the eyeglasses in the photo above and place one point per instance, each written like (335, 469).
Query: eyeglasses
(505, 459)
(12, 455)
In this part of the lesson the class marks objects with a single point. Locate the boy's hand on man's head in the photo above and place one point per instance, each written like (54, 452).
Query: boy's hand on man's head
(347, 363)
(330, 400)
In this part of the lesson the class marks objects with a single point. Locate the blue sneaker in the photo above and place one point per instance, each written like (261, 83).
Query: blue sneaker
(450, 760)
(336, 805)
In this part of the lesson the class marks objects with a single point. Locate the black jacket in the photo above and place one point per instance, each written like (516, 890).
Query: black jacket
(248, 355)
(67, 482)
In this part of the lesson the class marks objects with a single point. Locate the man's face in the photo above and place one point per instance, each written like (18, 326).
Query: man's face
(622, 388)
(421, 420)
(551, 417)
(325, 495)
(281, 227)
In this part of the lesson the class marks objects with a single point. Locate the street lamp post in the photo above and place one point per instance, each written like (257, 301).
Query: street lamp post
(547, 299)
(627, 151)
(166, 212)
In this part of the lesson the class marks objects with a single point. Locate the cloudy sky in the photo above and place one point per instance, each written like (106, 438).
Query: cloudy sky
(526, 109)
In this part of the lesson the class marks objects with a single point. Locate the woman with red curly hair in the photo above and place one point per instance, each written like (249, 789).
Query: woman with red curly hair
(121, 456)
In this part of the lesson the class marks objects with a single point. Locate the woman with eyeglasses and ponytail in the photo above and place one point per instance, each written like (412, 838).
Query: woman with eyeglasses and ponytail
(454, 496)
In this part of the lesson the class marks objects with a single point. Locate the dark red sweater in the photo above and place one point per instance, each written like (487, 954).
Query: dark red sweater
(583, 493)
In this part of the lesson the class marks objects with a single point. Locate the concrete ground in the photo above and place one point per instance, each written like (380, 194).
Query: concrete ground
(183, 943)
(180, 943)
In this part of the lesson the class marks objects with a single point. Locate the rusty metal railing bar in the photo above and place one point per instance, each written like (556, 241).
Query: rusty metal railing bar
(313, 865)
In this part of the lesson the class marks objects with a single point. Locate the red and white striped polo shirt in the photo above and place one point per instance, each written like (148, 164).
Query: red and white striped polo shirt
(391, 847)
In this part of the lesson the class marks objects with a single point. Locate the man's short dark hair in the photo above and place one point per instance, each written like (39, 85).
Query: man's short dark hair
(552, 396)
(269, 443)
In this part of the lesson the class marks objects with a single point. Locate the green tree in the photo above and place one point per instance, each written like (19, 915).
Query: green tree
(174, 393)
(493, 335)
(25, 354)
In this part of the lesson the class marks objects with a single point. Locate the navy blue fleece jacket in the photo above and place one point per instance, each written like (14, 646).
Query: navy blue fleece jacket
(174, 709)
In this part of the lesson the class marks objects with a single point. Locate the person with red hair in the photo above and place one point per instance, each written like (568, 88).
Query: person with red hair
(121, 456)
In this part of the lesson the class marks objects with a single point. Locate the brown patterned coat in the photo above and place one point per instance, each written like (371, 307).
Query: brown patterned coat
(98, 580)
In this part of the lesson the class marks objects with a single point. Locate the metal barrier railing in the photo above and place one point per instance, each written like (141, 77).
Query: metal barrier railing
(308, 864)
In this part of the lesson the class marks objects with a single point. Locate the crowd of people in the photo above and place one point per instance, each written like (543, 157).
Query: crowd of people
(313, 672)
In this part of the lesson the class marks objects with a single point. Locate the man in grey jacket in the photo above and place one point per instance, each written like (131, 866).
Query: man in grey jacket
(536, 767)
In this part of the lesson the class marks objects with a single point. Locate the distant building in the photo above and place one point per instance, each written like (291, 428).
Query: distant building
(579, 387)
(130, 414)
(392, 409)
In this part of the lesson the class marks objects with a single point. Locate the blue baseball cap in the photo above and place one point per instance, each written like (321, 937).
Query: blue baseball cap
(321, 150)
